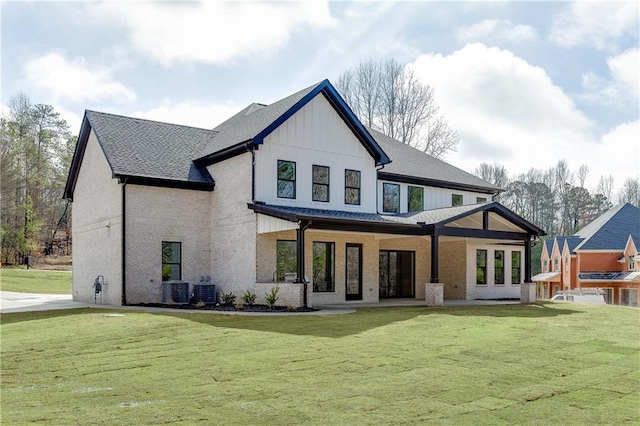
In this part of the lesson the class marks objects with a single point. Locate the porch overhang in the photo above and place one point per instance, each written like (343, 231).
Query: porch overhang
(553, 277)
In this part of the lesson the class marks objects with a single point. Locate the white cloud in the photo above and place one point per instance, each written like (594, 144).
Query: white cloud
(496, 29)
(212, 32)
(508, 111)
(58, 78)
(622, 89)
(618, 153)
(595, 23)
(190, 113)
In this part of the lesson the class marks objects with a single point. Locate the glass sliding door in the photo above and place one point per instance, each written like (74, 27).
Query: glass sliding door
(397, 274)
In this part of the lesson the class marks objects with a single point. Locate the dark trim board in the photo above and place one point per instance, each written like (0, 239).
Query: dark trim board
(166, 183)
(382, 175)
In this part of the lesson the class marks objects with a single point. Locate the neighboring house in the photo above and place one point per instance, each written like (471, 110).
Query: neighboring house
(296, 189)
(602, 255)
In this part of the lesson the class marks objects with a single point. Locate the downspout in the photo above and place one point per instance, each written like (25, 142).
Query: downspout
(124, 242)
(300, 278)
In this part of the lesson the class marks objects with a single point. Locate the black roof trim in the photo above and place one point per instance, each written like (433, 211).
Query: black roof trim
(165, 183)
(224, 154)
(435, 183)
(76, 161)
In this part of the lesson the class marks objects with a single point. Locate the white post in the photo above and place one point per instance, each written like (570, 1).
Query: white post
(434, 294)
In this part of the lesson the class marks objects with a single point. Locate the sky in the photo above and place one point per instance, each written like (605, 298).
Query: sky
(524, 84)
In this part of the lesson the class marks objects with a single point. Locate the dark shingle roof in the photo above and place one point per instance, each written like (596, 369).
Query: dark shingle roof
(411, 162)
(151, 149)
(548, 245)
(246, 124)
(612, 229)
(573, 242)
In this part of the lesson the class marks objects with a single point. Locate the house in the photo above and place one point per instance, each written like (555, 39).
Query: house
(603, 255)
(282, 194)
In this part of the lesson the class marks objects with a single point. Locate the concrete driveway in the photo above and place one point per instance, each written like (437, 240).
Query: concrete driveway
(23, 302)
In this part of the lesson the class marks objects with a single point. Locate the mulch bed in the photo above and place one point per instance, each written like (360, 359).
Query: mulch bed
(239, 308)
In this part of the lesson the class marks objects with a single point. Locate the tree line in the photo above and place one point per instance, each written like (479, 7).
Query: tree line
(36, 148)
(556, 199)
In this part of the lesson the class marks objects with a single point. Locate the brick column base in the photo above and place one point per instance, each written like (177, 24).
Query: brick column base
(434, 294)
(527, 292)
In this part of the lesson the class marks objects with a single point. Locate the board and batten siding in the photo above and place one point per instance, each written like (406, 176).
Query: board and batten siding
(434, 198)
(315, 135)
(97, 228)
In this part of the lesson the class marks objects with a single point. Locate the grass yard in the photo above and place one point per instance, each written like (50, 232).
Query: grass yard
(496, 365)
(35, 281)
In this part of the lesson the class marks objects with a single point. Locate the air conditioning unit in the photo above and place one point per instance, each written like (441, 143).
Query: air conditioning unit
(175, 292)
(204, 293)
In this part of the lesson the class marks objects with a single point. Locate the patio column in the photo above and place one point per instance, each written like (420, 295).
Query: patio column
(527, 260)
(434, 258)
(302, 226)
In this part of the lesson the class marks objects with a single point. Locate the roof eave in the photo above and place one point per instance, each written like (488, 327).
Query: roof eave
(436, 183)
(76, 161)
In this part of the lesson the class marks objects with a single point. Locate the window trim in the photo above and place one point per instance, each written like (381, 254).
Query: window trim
(295, 172)
(630, 266)
(397, 206)
(481, 200)
(498, 268)
(453, 197)
(172, 263)
(409, 188)
(353, 187)
(483, 268)
(314, 183)
(333, 266)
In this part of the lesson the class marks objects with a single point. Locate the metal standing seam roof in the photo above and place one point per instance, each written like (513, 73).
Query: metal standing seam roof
(150, 149)
(428, 217)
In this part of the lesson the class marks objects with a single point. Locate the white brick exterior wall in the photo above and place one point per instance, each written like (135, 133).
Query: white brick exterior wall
(491, 290)
(155, 215)
(97, 228)
(233, 226)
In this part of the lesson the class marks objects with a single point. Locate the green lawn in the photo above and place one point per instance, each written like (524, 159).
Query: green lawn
(35, 281)
(496, 365)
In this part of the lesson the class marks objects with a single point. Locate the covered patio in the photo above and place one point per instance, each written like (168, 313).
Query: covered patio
(443, 238)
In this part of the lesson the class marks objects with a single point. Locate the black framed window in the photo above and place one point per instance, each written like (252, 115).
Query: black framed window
(390, 198)
(323, 267)
(171, 261)
(286, 258)
(286, 179)
(320, 190)
(481, 267)
(415, 199)
(515, 267)
(352, 187)
(456, 200)
(498, 266)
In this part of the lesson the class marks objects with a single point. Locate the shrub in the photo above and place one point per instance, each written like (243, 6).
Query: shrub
(272, 297)
(248, 298)
(228, 299)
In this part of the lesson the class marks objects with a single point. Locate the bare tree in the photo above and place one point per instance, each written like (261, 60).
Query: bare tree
(605, 186)
(389, 97)
(630, 192)
(582, 174)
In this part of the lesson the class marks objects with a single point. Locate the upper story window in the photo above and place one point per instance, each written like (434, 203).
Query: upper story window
(498, 266)
(631, 258)
(555, 265)
(481, 200)
(320, 190)
(566, 263)
(415, 199)
(286, 179)
(352, 187)
(481, 267)
(171, 261)
(390, 198)
(456, 200)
